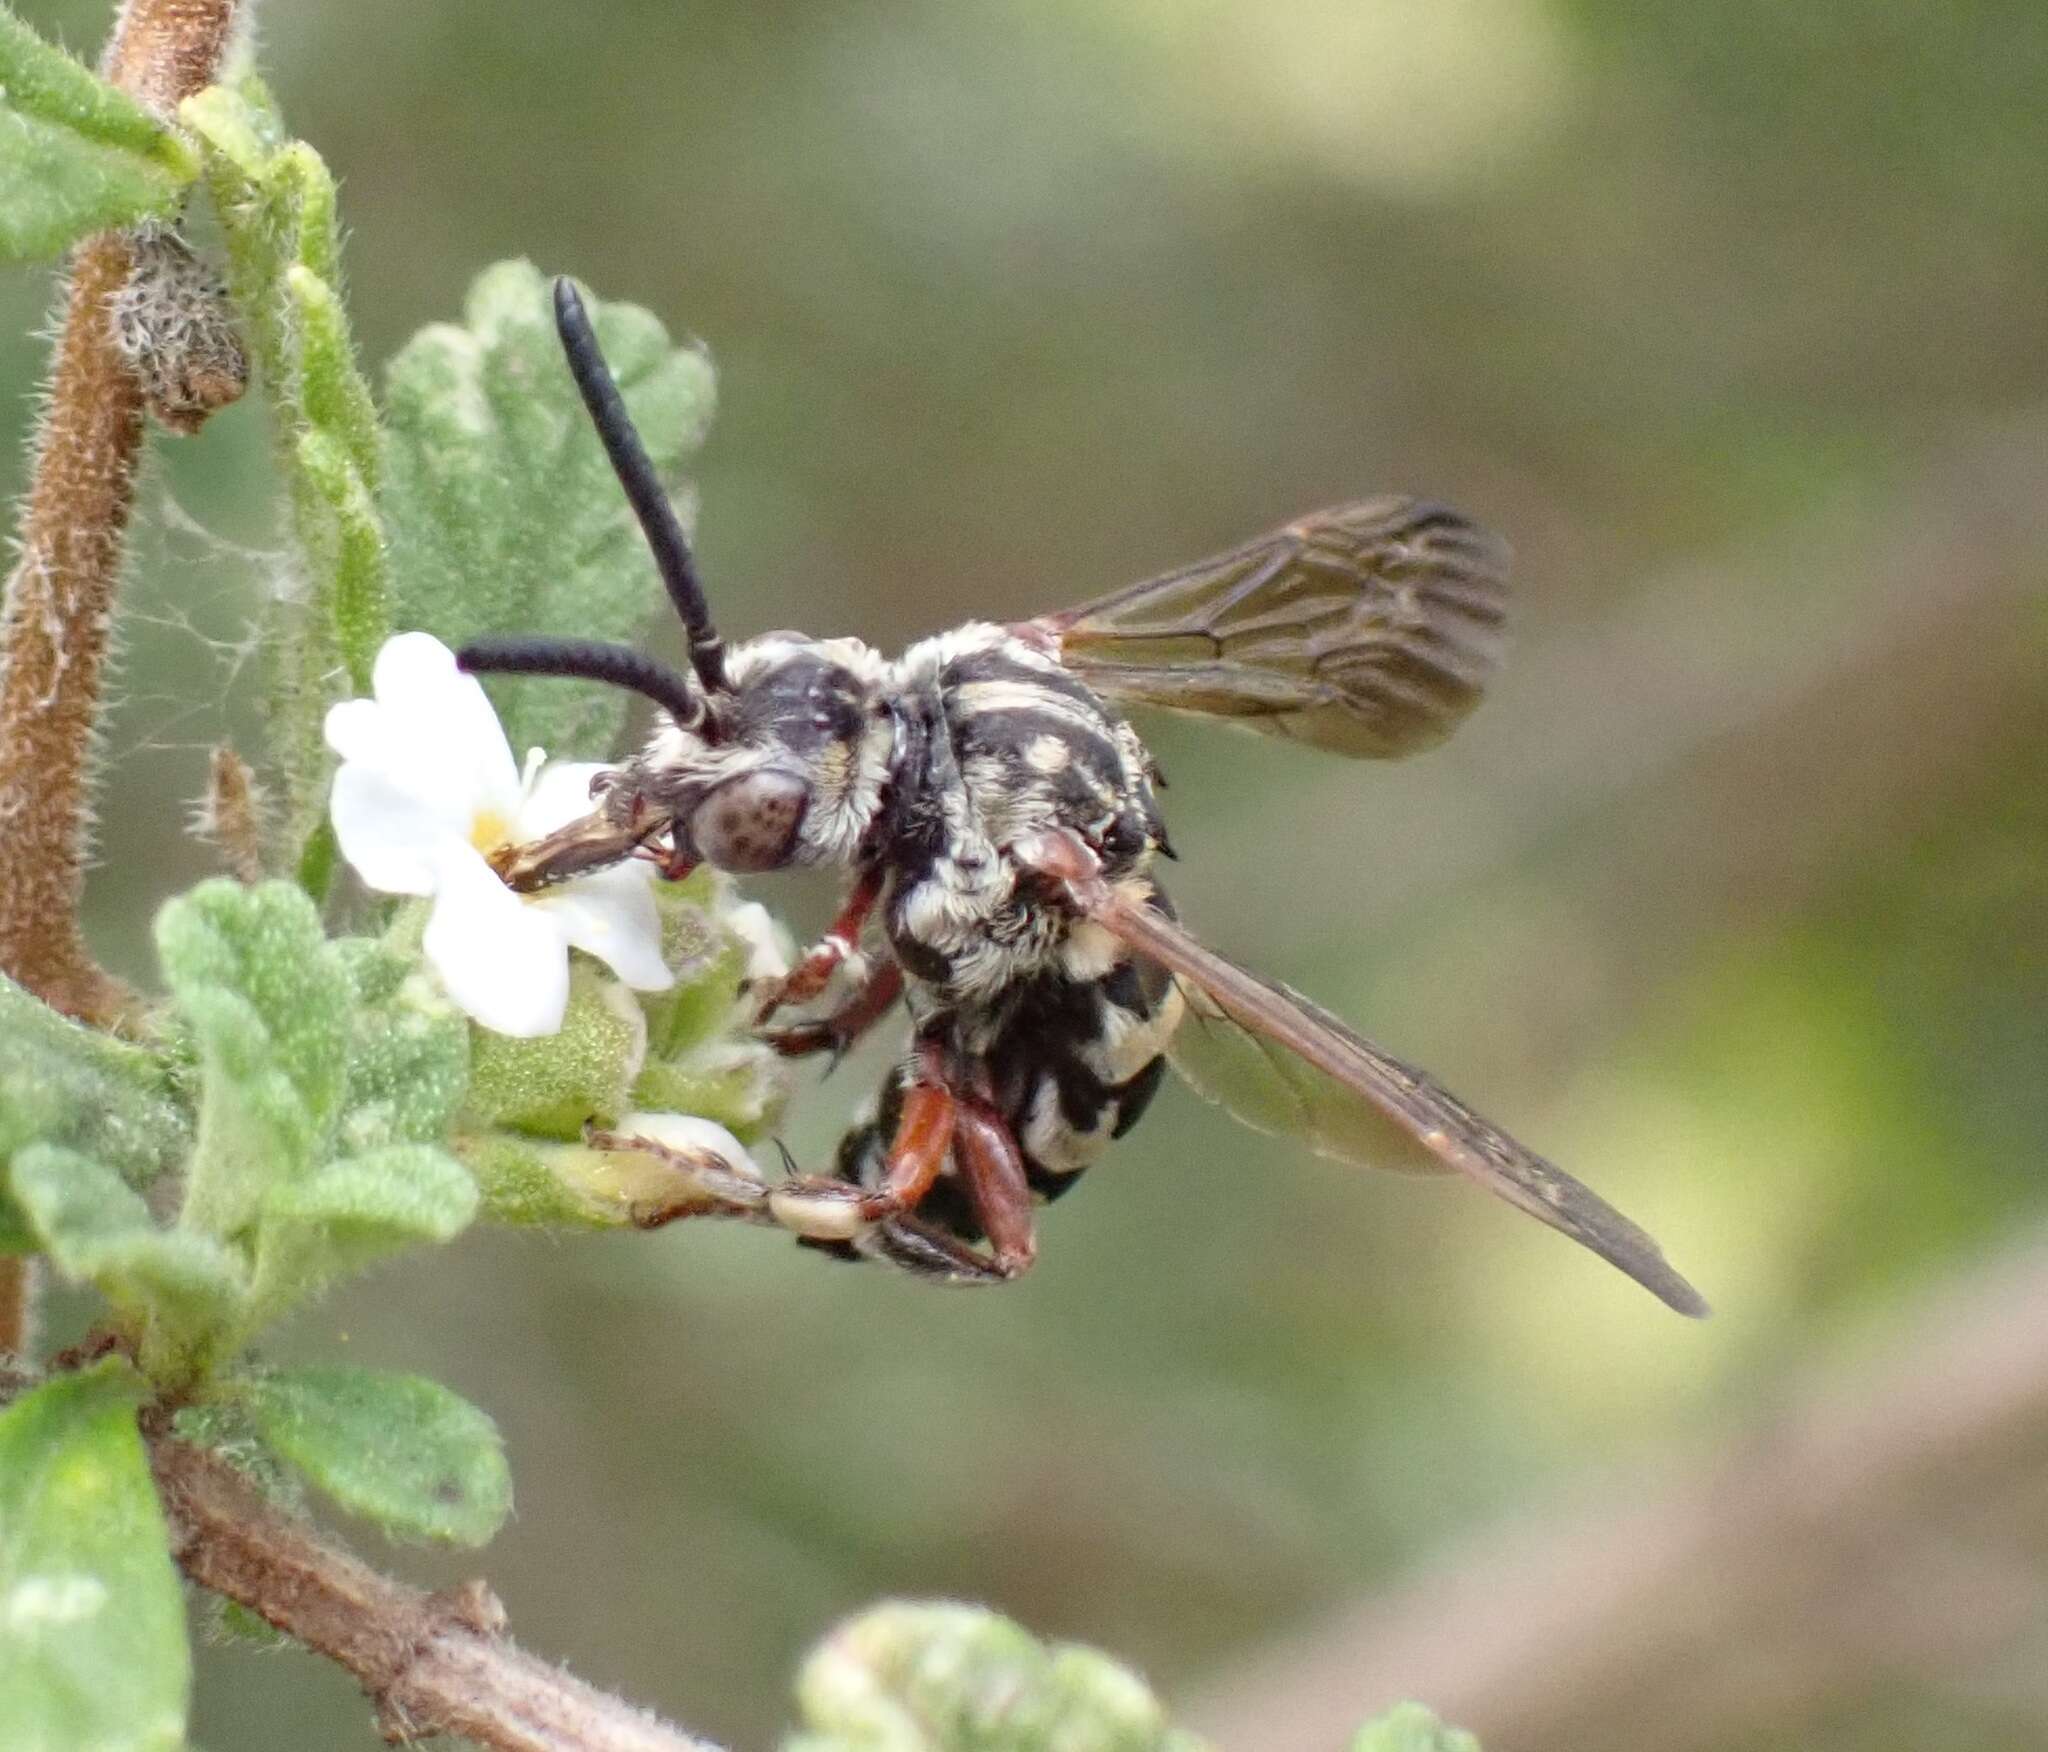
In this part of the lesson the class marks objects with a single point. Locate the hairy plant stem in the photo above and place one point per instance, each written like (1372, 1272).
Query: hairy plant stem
(60, 596)
(431, 1663)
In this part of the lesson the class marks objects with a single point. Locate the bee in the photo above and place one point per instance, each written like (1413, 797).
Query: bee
(1000, 822)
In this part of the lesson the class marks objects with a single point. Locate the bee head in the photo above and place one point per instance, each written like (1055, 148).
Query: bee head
(789, 766)
(770, 755)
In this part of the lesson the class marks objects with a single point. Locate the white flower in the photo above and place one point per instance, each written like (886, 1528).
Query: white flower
(427, 787)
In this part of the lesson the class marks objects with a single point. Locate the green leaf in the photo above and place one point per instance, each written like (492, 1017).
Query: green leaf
(180, 1290)
(941, 1678)
(389, 1198)
(269, 1003)
(401, 1451)
(66, 1084)
(277, 205)
(502, 511)
(1408, 1727)
(76, 155)
(94, 1653)
(408, 1053)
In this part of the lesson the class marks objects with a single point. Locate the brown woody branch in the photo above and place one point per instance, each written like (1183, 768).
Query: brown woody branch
(431, 1663)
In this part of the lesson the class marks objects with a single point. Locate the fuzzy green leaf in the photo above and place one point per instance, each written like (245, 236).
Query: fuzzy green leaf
(1408, 1727)
(401, 1451)
(94, 1652)
(277, 205)
(502, 511)
(181, 1290)
(941, 1678)
(65, 1084)
(76, 155)
(388, 1198)
(408, 1055)
(269, 1003)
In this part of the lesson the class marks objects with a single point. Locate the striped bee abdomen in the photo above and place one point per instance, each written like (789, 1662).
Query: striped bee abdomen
(1072, 1065)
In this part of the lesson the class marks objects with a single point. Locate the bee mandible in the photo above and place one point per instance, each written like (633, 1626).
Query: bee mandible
(999, 819)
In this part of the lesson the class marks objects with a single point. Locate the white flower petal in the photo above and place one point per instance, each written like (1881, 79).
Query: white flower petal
(611, 914)
(430, 729)
(502, 960)
(769, 946)
(394, 838)
(558, 797)
(356, 731)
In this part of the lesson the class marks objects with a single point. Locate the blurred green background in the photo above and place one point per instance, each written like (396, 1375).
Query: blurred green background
(1732, 897)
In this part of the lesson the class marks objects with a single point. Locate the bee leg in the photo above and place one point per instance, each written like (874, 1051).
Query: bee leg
(827, 1209)
(928, 1252)
(837, 1032)
(817, 964)
(993, 1168)
(704, 1184)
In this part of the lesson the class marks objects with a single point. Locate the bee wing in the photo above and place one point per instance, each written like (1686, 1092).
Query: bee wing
(1367, 629)
(1282, 1063)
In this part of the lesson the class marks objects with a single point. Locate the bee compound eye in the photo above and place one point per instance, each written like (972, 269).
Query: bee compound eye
(750, 823)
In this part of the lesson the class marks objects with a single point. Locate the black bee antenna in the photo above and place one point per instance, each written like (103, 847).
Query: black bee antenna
(589, 660)
(643, 487)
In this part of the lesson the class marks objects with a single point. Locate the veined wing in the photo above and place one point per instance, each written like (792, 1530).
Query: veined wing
(1356, 1102)
(1367, 629)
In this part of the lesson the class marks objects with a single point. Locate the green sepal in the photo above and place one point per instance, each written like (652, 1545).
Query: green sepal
(1408, 1727)
(94, 1651)
(76, 155)
(701, 1056)
(269, 1006)
(501, 508)
(907, 1677)
(526, 1183)
(179, 1291)
(404, 1452)
(550, 1086)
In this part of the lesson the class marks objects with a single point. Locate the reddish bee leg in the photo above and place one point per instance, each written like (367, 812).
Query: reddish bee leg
(924, 1138)
(818, 963)
(837, 1032)
(837, 1210)
(993, 1168)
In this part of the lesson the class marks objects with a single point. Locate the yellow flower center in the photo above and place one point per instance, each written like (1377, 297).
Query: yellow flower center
(488, 831)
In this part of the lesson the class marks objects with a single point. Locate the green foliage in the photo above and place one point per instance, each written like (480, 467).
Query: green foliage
(94, 1652)
(942, 1678)
(408, 1051)
(267, 1000)
(178, 1290)
(699, 1057)
(345, 1214)
(327, 1074)
(403, 1452)
(1408, 1727)
(277, 207)
(502, 510)
(76, 155)
(66, 1084)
